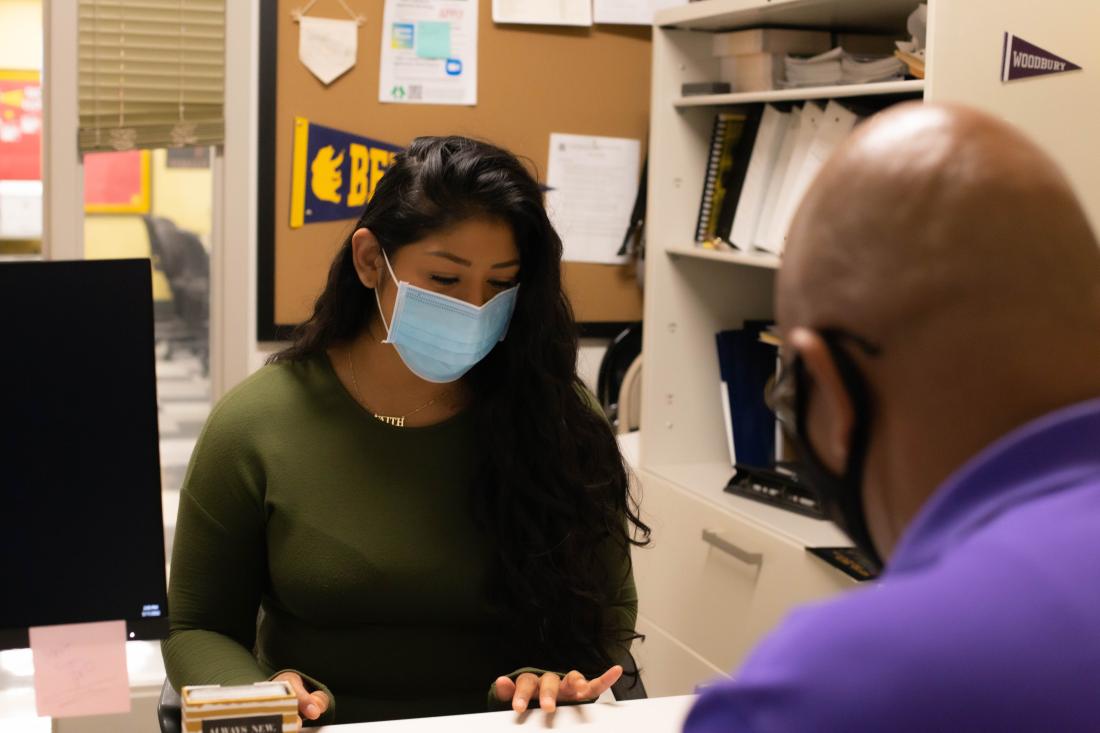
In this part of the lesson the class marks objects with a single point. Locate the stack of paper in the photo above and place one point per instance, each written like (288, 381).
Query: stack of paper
(815, 71)
(839, 67)
(869, 69)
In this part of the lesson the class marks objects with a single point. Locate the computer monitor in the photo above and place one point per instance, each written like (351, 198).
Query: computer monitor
(81, 532)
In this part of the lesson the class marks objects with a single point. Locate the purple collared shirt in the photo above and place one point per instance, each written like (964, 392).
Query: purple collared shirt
(987, 618)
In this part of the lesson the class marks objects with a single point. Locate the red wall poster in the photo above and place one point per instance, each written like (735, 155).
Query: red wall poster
(20, 126)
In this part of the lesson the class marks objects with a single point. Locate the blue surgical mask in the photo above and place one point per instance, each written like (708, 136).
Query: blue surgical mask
(440, 338)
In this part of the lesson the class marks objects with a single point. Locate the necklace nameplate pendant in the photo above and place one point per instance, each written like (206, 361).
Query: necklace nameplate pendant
(397, 422)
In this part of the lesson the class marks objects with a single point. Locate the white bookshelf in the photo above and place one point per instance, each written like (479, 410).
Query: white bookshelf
(703, 535)
(692, 293)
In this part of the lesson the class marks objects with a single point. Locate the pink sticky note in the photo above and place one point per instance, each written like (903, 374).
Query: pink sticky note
(80, 669)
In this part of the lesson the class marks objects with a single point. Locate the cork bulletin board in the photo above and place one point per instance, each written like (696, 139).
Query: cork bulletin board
(533, 80)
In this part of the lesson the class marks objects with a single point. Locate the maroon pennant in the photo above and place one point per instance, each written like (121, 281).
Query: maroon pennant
(1020, 60)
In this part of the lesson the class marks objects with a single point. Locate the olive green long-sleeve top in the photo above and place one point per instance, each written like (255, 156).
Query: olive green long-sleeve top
(315, 538)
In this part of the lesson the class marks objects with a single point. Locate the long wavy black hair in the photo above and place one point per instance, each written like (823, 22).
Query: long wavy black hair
(552, 491)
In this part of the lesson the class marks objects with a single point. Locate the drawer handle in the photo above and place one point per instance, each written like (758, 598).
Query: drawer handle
(719, 542)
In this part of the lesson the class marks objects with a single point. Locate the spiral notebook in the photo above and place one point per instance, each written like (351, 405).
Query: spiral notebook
(729, 129)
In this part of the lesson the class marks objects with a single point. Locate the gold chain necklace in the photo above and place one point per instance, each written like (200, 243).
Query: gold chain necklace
(398, 421)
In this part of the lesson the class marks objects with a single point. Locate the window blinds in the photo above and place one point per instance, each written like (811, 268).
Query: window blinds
(151, 73)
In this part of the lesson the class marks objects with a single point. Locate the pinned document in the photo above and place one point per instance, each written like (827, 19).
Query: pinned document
(429, 52)
(630, 12)
(541, 12)
(592, 185)
(80, 669)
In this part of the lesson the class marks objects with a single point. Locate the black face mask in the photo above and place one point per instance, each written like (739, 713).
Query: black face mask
(841, 495)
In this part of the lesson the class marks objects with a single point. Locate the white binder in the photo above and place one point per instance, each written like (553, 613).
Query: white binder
(769, 138)
(775, 186)
(836, 123)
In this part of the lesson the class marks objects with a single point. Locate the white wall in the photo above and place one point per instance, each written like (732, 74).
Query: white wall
(1059, 111)
(62, 171)
(233, 349)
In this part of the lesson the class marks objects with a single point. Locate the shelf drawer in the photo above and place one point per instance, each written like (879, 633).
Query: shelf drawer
(716, 582)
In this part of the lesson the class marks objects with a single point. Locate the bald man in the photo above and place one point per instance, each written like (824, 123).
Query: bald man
(940, 306)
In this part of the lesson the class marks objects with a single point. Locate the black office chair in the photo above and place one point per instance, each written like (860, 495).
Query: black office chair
(186, 265)
(629, 686)
(169, 713)
(621, 353)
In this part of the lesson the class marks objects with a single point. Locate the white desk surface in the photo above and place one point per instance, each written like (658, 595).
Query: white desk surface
(655, 715)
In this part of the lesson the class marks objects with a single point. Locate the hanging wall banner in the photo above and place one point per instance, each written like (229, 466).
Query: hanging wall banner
(1020, 60)
(327, 46)
(335, 172)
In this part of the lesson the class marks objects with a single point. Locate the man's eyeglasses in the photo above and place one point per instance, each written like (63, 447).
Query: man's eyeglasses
(780, 392)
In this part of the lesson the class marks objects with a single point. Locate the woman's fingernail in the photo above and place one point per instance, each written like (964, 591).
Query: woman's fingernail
(520, 702)
(312, 711)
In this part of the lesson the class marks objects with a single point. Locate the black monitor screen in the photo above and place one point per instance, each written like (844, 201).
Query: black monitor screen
(81, 534)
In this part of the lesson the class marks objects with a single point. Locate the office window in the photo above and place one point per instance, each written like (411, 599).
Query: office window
(151, 73)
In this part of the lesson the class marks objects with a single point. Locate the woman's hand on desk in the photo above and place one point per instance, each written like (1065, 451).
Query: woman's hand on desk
(311, 705)
(552, 689)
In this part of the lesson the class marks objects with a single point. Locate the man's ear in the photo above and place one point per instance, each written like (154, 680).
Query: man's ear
(830, 413)
(366, 253)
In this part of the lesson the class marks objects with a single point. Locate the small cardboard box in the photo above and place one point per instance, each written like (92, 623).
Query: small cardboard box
(262, 707)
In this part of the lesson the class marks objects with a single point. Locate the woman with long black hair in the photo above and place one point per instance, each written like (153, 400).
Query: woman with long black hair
(417, 499)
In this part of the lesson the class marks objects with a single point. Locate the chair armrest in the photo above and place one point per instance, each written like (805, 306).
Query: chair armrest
(628, 687)
(168, 709)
